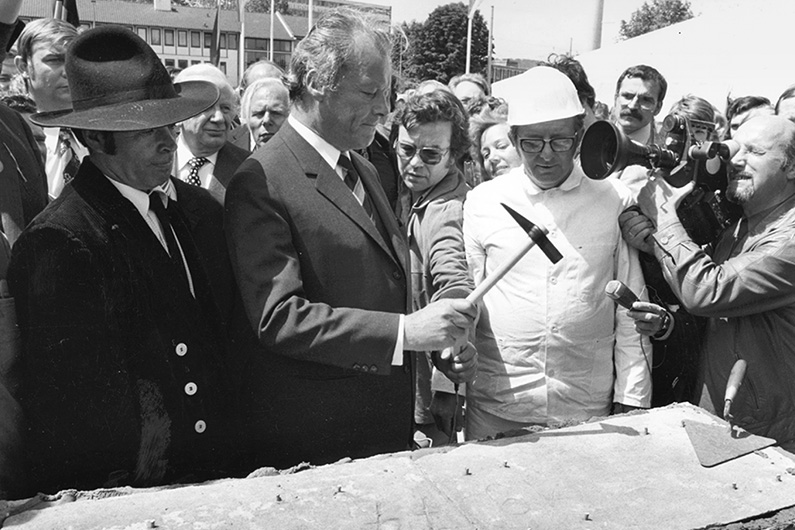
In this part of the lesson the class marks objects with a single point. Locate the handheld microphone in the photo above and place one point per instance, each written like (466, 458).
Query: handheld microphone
(620, 293)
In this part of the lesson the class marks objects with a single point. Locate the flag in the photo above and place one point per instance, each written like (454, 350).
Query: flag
(66, 10)
(215, 44)
(70, 13)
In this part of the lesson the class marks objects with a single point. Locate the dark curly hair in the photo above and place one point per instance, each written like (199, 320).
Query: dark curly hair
(438, 106)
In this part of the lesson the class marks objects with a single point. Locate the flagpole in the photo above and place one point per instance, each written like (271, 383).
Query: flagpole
(242, 43)
(270, 54)
(311, 8)
(473, 4)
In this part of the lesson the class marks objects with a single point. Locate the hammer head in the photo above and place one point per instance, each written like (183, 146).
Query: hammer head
(536, 234)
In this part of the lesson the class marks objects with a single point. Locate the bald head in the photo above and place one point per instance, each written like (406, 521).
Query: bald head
(763, 169)
(206, 133)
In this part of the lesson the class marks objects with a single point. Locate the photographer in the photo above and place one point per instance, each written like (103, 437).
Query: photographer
(675, 333)
(744, 284)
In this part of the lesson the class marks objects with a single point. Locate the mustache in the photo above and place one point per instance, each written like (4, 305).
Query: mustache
(631, 113)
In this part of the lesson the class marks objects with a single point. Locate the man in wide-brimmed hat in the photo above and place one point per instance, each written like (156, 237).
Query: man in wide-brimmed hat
(117, 286)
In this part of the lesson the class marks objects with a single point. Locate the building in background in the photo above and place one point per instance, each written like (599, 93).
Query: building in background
(183, 36)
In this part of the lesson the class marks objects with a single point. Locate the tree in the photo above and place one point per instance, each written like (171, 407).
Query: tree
(437, 48)
(655, 15)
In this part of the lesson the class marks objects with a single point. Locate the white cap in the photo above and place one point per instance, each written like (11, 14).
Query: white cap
(539, 95)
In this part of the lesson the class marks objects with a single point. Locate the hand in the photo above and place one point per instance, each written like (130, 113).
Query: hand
(658, 200)
(459, 364)
(636, 228)
(620, 408)
(446, 408)
(439, 325)
(649, 318)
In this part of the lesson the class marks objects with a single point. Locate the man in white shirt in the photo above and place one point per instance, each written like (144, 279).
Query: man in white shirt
(552, 347)
(204, 156)
(42, 49)
(116, 287)
(640, 92)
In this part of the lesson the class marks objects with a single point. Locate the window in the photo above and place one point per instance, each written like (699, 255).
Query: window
(182, 37)
(142, 33)
(168, 37)
(169, 63)
(183, 63)
(282, 45)
(195, 62)
(232, 41)
(257, 44)
(195, 39)
(223, 41)
(222, 66)
(155, 35)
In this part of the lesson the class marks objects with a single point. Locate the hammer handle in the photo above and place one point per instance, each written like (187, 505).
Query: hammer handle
(491, 280)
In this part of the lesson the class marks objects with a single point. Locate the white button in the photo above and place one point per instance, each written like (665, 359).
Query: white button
(553, 281)
(191, 388)
(200, 426)
(181, 349)
(554, 329)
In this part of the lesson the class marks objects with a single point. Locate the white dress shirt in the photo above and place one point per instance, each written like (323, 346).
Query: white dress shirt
(55, 162)
(182, 168)
(551, 345)
(331, 155)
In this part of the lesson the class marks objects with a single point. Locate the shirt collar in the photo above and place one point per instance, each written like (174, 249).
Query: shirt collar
(328, 152)
(572, 181)
(51, 135)
(184, 154)
(139, 199)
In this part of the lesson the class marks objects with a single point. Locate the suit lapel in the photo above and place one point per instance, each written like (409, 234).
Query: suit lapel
(329, 184)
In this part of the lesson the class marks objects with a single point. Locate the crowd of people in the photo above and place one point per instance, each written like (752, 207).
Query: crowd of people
(208, 279)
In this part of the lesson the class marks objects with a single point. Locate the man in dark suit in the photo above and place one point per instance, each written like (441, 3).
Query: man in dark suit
(123, 346)
(205, 157)
(322, 267)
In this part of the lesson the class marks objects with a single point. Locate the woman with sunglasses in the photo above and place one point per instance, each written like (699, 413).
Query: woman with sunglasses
(432, 138)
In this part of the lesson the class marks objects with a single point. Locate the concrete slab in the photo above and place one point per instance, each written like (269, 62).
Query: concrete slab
(635, 471)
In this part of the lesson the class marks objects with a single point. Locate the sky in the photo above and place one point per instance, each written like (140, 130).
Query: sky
(532, 29)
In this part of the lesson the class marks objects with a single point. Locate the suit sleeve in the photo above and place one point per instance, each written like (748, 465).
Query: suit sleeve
(268, 266)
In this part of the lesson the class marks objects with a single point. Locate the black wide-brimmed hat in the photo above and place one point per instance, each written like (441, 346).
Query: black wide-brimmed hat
(118, 83)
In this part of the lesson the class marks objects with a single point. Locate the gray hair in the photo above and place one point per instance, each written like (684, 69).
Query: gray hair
(267, 84)
(334, 42)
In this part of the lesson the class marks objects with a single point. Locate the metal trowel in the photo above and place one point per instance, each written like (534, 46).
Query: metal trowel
(722, 441)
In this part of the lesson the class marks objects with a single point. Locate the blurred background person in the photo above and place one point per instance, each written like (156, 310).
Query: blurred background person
(785, 106)
(742, 109)
(263, 108)
(205, 157)
(468, 87)
(576, 73)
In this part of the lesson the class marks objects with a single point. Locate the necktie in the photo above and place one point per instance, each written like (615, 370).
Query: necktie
(195, 165)
(351, 180)
(66, 151)
(156, 205)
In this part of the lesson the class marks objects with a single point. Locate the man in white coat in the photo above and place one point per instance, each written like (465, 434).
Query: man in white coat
(553, 347)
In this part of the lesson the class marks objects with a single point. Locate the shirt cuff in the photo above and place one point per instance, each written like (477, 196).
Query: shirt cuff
(397, 355)
(668, 237)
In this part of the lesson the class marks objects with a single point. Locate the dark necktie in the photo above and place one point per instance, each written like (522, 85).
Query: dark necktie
(351, 179)
(66, 150)
(156, 205)
(195, 165)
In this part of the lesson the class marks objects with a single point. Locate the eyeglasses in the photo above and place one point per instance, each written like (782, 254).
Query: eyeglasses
(536, 145)
(428, 155)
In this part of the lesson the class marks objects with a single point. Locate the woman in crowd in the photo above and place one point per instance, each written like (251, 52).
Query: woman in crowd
(492, 149)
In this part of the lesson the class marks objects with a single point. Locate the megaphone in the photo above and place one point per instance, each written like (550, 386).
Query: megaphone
(606, 150)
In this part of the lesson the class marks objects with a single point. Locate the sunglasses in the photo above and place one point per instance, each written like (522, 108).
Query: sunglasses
(428, 155)
(536, 145)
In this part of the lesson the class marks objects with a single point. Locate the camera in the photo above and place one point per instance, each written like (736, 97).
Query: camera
(705, 212)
